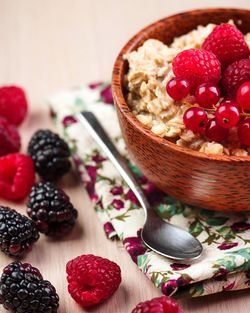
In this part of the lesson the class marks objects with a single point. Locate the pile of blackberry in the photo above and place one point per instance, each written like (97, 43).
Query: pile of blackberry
(23, 290)
(50, 154)
(50, 208)
(17, 232)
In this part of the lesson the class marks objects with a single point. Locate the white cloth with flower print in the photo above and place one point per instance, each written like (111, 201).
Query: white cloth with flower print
(225, 263)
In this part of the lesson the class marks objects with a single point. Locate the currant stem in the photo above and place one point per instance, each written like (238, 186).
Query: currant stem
(241, 114)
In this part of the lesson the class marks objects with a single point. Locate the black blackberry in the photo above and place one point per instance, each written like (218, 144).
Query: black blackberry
(50, 154)
(17, 232)
(23, 290)
(50, 208)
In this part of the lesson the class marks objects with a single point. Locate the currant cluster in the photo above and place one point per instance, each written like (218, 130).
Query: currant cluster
(227, 113)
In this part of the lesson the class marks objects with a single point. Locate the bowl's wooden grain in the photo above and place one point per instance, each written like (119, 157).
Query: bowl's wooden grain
(213, 182)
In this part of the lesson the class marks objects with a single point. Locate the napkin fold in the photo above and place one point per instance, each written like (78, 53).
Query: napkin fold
(225, 263)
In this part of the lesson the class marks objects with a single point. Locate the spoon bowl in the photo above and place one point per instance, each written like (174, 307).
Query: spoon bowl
(168, 240)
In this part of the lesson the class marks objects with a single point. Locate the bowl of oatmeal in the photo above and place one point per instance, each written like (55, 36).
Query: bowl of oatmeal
(181, 88)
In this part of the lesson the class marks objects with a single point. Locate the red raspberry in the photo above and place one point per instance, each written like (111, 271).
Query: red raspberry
(9, 138)
(227, 43)
(92, 279)
(197, 67)
(235, 75)
(13, 104)
(158, 305)
(17, 176)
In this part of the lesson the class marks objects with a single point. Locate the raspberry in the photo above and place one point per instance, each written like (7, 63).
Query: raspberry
(227, 43)
(13, 104)
(158, 305)
(9, 138)
(92, 279)
(197, 67)
(16, 176)
(235, 75)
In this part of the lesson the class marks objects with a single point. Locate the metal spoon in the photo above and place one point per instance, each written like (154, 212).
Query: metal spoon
(160, 236)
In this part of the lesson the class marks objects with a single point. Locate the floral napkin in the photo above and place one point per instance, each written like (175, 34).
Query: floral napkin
(225, 263)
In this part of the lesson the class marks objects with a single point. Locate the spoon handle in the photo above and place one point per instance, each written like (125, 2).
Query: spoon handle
(95, 129)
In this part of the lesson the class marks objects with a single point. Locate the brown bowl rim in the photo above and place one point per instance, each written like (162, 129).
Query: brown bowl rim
(120, 101)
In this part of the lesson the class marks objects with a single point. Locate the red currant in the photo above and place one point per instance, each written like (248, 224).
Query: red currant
(244, 131)
(195, 119)
(243, 96)
(207, 95)
(215, 132)
(178, 88)
(227, 115)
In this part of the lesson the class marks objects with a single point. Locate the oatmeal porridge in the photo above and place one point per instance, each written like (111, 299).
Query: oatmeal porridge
(151, 69)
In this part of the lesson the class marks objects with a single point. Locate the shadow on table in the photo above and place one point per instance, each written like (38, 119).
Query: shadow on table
(118, 300)
(70, 180)
(76, 233)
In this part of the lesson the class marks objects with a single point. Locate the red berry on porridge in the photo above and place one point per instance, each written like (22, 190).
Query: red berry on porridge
(215, 132)
(207, 95)
(235, 75)
(243, 96)
(227, 115)
(244, 132)
(195, 92)
(195, 119)
(178, 88)
(197, 66)
(227, 43)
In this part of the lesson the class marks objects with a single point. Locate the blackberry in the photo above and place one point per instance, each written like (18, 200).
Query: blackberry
(17, 232)
(23, 290)
(50, 154)
(50, 208)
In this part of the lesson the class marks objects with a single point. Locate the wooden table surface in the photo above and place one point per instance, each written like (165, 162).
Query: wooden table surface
(48, 45)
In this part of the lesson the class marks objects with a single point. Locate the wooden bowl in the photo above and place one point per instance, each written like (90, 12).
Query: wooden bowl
(210, 181)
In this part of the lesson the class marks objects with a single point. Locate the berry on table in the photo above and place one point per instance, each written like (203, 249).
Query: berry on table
(227, 43)
(50, 208)
(158, 305)
(178, 88)
(23, 290)
(50, 154)
(244, 132)
(13, 104)
(9, 138)
(227, 115)
(17, 233)
(243, 96)
(92, 279)
(207, 95)
(17, 176)
(197, 67)
(235, 75)
(215, 132)
(195, 119)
